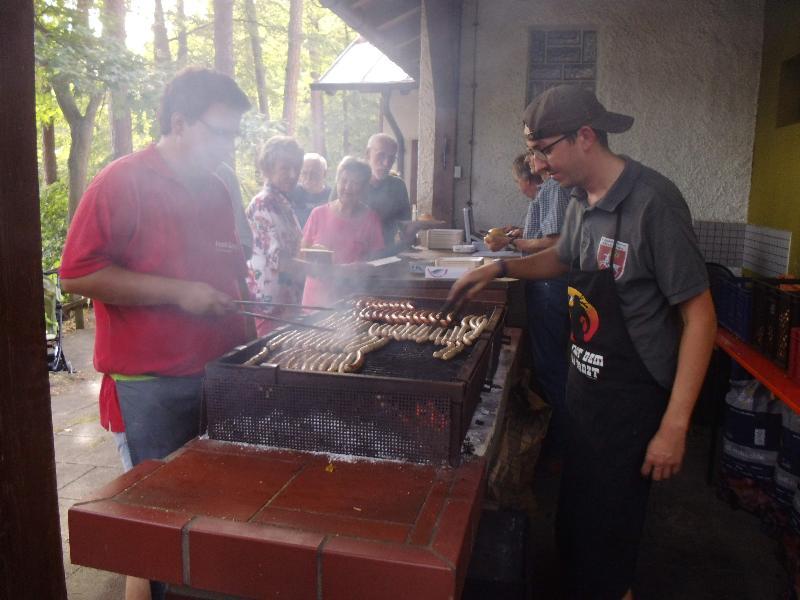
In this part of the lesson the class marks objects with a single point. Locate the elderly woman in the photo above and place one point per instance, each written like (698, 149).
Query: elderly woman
(345, 226)
(276, 232)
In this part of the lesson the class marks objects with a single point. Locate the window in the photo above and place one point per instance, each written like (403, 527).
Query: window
(557, 56)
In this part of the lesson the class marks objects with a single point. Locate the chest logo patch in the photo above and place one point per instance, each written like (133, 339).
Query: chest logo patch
(620, 256)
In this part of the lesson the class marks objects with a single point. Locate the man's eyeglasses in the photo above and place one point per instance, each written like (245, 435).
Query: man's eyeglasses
(219, 132)
(543, 154)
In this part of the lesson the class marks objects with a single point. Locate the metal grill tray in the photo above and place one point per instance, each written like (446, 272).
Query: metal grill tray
(403, 404)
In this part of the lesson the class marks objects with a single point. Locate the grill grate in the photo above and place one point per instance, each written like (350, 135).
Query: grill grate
(404, 404)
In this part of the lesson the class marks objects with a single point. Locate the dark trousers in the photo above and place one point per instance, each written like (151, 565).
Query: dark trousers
(548, 328)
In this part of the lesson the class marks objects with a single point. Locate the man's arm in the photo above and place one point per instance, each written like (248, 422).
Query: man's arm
(666, 449)
(115, 285)
(531, 246)
(542, 265)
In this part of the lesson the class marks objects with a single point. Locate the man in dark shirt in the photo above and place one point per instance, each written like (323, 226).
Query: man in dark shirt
(642, 332)
(311, 190)
(387, 194)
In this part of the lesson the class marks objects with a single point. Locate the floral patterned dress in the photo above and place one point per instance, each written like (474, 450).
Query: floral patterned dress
(276, 240)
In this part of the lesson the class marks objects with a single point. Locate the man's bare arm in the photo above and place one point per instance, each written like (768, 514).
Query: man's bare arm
(532, 246)
(115, 285)
(666, 449)
(542, 265)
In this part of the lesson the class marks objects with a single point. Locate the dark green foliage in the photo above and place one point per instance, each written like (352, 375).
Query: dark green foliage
(53, 205)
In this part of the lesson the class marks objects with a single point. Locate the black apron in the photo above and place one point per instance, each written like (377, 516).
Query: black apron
(614, 407)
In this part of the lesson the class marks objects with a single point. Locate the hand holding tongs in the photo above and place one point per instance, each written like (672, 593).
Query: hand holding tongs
(464, 289)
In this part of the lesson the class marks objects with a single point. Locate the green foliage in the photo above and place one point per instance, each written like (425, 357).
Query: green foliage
(69, 48)
(53, 201)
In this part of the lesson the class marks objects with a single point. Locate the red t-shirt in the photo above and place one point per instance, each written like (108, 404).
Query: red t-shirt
(138, 216)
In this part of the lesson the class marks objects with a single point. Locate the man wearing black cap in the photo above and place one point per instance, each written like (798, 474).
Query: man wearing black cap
(642, 333)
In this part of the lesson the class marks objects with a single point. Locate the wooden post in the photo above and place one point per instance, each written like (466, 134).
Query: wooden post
(31, 564)
(442, 24)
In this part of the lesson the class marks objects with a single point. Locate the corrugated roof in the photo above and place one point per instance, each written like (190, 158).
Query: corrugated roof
(362, 66)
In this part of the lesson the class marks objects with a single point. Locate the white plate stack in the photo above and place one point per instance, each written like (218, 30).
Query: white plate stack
(440, 239)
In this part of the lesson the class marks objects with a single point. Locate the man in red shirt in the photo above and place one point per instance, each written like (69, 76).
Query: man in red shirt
(153, 243)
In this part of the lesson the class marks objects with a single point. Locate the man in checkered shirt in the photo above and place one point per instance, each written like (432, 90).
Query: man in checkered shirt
(548, 319)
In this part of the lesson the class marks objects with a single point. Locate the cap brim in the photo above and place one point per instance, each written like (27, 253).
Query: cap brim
(612, 122)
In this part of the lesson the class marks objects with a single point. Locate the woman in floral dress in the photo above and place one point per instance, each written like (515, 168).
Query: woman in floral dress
(273, 275)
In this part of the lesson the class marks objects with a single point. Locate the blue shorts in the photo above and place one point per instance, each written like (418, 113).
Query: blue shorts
(160, 414)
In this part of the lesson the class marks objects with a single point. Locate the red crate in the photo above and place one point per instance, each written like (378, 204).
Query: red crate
(794, 355)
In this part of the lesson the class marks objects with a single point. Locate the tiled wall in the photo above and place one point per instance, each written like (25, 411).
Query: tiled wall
(763, 250)
(766, 250)
(721, 243)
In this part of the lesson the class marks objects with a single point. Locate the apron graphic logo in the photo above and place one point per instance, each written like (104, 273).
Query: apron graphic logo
(583, 316)
(620, 256)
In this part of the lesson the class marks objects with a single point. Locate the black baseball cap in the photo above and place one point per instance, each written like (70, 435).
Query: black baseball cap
(566, 108)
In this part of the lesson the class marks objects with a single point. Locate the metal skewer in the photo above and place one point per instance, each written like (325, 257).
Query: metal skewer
(287, 321)
(261, 303)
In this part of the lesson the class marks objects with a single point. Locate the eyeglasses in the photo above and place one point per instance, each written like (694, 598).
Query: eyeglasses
(219, 132)
(543, 154)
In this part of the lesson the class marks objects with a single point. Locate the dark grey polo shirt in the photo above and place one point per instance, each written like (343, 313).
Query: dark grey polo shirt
(658, 264)
(389, 198)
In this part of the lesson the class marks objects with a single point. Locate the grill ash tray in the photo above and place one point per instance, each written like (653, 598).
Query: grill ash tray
(403, 404)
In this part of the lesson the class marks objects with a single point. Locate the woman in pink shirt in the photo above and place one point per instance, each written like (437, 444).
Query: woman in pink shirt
(346, 226)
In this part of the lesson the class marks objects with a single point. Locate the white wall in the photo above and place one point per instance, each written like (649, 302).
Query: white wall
(405, 108)
(687, 70)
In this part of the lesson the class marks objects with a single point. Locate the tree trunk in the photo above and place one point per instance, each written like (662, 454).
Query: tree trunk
(292, 65)
(49, 152)
(119, 110)
(223, 36)
(161, 51)
(258, 58)
(180, 25)
(81, 128)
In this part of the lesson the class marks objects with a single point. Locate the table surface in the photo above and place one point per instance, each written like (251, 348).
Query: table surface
(258, 522)
(758, 365)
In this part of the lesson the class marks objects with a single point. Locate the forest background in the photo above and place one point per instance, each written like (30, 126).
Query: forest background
(102, 65)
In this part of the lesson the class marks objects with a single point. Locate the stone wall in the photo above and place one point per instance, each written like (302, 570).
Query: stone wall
(687, 71)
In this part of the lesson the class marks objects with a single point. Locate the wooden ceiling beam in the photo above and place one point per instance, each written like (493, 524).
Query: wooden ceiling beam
(400, 18)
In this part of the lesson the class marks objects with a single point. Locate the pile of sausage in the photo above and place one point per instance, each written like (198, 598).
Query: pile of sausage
(369, 326)
(374, 309)
(339, 351)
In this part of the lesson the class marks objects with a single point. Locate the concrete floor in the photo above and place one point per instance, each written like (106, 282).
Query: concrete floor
(695, 546)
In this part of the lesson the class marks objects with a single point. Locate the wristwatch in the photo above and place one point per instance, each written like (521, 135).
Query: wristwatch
(503, 268)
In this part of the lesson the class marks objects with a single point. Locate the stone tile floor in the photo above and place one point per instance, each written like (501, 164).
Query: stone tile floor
(86, 456)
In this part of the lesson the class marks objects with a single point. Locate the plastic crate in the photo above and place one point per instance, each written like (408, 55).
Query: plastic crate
(733, 301)
(794, 355)
(775, 313)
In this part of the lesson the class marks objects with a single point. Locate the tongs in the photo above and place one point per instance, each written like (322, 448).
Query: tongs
(455, 304)
(262, 303)
(287, 321)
